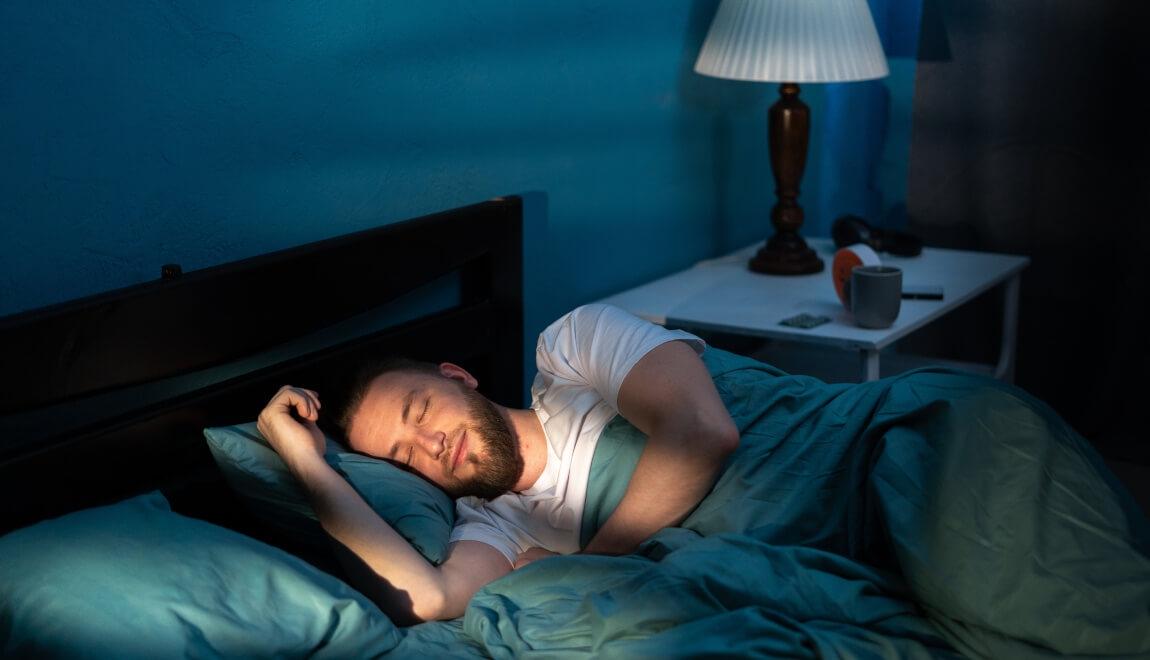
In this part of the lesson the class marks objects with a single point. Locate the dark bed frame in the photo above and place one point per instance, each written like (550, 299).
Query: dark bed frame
(107, 396)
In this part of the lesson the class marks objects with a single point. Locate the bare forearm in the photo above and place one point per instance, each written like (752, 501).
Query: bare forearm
(401, 581)
(672, 476)
(669, 396)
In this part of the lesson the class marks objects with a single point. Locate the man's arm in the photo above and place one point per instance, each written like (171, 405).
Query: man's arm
(669, 396)
(401, 581)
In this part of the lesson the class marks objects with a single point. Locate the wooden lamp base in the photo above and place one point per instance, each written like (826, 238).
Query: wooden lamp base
(786, 253)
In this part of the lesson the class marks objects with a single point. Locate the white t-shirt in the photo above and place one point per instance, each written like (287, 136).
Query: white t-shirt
(582, 360)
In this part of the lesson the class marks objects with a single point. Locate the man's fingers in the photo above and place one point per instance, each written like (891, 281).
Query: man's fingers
(305, 402)
(530, 555)
(315, 398)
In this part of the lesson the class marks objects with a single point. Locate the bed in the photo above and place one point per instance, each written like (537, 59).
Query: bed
(107, 397)
(935, 514)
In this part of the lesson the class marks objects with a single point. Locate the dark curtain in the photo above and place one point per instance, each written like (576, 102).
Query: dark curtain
(1031, 129)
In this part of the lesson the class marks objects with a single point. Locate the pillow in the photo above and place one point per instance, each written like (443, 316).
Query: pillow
(421, 512)
(135, 580)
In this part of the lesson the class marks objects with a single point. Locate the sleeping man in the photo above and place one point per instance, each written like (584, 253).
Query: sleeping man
(520, 476)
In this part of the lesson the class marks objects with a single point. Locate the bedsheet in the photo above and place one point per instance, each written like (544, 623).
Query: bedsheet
(928, 515)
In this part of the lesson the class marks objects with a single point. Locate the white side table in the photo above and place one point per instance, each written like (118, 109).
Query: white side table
(722, 295)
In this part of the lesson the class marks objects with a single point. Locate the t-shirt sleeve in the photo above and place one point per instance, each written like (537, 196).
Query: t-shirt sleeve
(475, 522)
(597, 345)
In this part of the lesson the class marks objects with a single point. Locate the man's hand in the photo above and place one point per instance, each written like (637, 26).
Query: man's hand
(288, 423)
(532, 554)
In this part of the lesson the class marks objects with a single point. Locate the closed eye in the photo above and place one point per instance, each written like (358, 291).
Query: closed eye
(423, 415)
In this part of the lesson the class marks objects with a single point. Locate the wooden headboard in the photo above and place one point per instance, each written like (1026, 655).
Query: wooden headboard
(107, 396)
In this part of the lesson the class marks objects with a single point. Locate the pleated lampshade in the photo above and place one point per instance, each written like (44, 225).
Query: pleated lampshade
(793, 41)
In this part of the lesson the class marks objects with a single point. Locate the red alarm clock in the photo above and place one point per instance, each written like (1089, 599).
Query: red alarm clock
(846, 259)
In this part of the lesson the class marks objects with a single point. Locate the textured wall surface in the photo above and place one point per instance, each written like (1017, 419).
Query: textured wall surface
(138, 134)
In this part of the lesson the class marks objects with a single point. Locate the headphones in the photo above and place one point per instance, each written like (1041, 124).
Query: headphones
(851, 229)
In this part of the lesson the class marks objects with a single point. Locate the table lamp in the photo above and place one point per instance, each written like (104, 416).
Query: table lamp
(791, 42)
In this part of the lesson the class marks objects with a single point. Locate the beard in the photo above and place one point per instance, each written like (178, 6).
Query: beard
(501, 465)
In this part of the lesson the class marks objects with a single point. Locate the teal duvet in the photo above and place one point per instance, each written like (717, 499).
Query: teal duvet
(929, 515)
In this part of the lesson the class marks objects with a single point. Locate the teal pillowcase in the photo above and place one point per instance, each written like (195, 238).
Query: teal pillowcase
(135, 580)
(421, 513)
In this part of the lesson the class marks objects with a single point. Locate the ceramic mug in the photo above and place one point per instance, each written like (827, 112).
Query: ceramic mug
(875, 295)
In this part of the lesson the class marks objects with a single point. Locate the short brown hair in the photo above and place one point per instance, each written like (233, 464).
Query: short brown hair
(365, 375)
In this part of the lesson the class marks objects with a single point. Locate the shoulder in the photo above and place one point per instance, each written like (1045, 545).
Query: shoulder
(597, 325)
(502, 523)
(596, 345)
(588, 317)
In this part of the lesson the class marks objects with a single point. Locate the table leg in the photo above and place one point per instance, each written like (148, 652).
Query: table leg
(1004, 370)
(869, 363)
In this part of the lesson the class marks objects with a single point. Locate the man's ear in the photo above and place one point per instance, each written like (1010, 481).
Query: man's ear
(456, 372)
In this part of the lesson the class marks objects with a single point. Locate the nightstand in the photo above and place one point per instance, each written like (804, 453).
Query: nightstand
(721, 295)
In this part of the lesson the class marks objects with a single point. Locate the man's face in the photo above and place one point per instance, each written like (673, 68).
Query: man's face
(440, 428)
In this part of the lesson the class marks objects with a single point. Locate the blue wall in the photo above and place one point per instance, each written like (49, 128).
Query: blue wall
(137, 134)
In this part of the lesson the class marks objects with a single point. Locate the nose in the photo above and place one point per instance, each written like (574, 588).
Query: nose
(432, 442)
